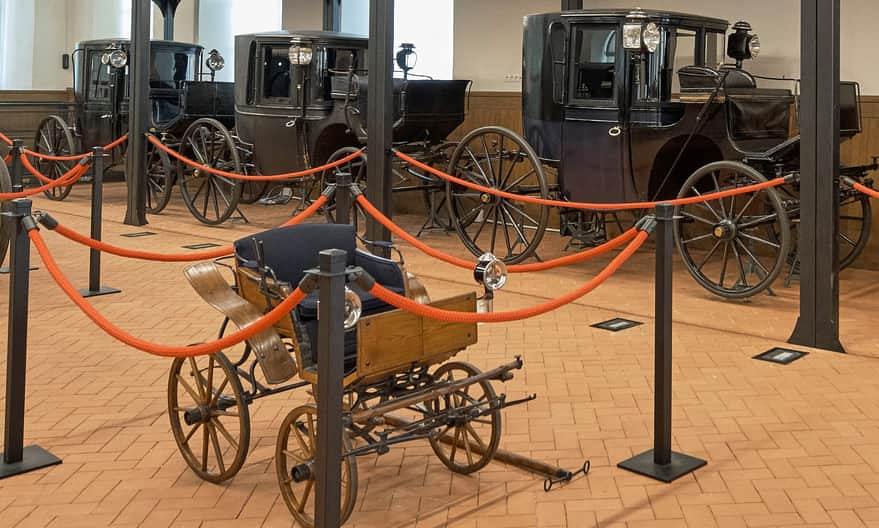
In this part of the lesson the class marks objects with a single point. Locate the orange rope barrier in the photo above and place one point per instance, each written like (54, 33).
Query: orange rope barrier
(264, 323)
(7, 158)
(872, 193)
(76, 157)
(431, 312)
(67, 179)
(4, 138)
(590, 206)
(512, 268)
(26, 163)
(160, 257)
(236, 176)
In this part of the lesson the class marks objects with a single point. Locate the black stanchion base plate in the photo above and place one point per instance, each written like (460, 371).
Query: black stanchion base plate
(104, 290)
(6, 271)
(681, 464)
(33, 458)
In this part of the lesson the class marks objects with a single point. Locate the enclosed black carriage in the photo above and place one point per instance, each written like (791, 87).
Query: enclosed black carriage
(187, 106)
(301, 101)
(629, 106)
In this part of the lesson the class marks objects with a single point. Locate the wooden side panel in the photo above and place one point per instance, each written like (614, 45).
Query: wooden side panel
(393, 341)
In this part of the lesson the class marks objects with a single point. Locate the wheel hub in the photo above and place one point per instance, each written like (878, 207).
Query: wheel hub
(200, 414)
(485, 198)
(725, 230)
(302, 473)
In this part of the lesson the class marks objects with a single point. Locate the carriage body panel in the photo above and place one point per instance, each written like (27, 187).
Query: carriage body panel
(612, 119)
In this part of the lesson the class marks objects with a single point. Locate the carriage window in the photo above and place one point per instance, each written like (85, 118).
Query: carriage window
(98, 78)
(594, 62)
(715, 49)
(170, 68)
(276, 74)
(683, 54)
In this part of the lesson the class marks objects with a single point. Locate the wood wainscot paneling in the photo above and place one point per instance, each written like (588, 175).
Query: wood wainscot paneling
(20, 121)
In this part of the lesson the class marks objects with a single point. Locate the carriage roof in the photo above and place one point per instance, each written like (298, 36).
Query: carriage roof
(322, 37)
(670, 18)
(103, 43)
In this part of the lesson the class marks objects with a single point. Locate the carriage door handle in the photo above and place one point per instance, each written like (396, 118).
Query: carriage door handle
(615, 131)
(106, 116)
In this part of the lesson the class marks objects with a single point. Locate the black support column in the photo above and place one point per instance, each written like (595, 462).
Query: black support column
(169, 9)
(332, 15)
(138, 120)
(818, 325)
(380, 115)
(571, 5)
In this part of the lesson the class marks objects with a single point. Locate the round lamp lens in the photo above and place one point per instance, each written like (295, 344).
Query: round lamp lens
(652, 37)
(215, 61)
(118, 59)
(754, 46)
(491, 272)
(353, 308)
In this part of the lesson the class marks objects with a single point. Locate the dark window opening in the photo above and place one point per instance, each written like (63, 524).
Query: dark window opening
(99, 81)
(169, 69)
(594, 62)
(276, 74)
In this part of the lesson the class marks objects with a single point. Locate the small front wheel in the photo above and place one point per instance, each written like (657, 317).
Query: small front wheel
(54, 139)
(295, 457)
(211, 198)
(734, 247)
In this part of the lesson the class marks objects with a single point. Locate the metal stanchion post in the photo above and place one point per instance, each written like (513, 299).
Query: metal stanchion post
(95, 289)
(331, 350)
(661, 463)
(16, 176)
(18, 459)
(343, 197)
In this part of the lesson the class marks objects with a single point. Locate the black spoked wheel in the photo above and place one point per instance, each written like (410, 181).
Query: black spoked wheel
(855, 222)
(160, 179)
(471, 434)
(54, 139)
(500, 159)
(251, 190)
(295, 457)
(209, 416)
(356, 169)
(6, 223)
(734, 247)
(209, 197)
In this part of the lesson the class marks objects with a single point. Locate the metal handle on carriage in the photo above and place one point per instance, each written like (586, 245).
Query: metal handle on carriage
(615, 131)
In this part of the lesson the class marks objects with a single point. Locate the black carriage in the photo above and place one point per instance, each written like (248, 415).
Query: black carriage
(190, 111)
(301, 101)
(632, 105)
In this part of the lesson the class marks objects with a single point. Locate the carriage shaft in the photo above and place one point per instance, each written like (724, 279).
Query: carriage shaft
(500, 373)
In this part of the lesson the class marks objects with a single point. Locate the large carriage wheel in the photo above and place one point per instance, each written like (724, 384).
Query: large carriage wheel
(472, 430)
(498, 158)
(7, 225)
(734, 247)
(855, 222)
(209, 416)
(356, 169)
(210, 198)
(54, 139)
(160, 179)
(251, 190)
(295, 458)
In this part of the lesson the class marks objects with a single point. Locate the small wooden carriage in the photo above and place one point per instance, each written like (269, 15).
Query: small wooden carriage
(389, 359)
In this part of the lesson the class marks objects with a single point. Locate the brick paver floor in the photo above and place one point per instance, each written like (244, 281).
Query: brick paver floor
(787, 446)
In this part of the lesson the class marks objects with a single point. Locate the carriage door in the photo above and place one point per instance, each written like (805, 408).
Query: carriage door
(98, 113)
(593, 135)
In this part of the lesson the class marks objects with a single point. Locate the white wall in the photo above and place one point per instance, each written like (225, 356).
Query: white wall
(16, 53)
(302, 14)
(488, 35)
(217, 29)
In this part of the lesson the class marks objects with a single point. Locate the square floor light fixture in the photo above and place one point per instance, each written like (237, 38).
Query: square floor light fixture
(617, 324)
(205, 245)
(138, 234)
(781, 356)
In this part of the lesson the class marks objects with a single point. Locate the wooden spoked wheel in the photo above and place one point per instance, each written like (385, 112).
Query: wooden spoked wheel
(855, 222)
(160, 176)
(209, 197)
(54, 139)
(500, 159)
(356, 169)
(472, 431)
(209, 416)
(295, 456)
(7, 225)
(734, 247)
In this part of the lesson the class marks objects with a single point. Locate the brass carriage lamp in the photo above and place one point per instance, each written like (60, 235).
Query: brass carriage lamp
(115, 57)
(491, 272)
(300, 55)
(215, 62)
(742, 44)
(407, 58)
(638, 35)
(353, 308)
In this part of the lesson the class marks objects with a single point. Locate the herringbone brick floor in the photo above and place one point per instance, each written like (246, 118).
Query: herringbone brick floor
(787, 446)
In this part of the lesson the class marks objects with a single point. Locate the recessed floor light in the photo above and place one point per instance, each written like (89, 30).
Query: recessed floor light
(617, 324)
(781, 356)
